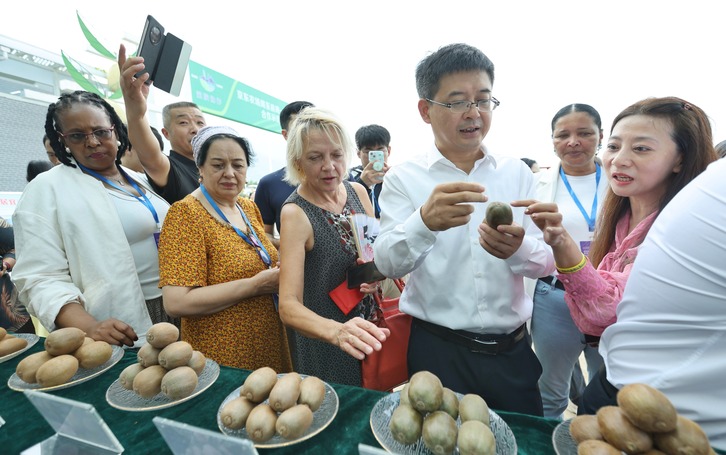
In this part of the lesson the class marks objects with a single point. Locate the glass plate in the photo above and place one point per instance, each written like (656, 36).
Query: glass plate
(321, 419)
(381, 417)
(81, 376)
(31, 338)
(128, 400)
(562, 441)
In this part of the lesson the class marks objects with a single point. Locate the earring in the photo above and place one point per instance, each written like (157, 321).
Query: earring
(68, 151)
(118, 143)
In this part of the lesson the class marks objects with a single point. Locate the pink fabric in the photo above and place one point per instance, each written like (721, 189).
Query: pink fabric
(593, 295)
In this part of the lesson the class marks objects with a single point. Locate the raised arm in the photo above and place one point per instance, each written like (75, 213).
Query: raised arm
(135, 93)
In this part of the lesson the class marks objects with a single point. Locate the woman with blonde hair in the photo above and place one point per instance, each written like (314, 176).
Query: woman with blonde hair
(317, 248)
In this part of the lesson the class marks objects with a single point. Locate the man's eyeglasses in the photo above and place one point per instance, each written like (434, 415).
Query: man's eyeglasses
(101, 135)
(486, 105)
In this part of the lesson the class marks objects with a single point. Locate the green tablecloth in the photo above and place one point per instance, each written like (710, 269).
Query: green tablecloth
(25, 427)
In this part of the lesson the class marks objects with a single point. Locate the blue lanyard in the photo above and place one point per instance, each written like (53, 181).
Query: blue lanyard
(376, 207)
(142, 198)
(253, 241)
(593, 212)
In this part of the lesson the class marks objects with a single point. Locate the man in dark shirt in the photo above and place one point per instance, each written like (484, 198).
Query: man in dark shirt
(369, 138)
(272, 190)
(173, 176)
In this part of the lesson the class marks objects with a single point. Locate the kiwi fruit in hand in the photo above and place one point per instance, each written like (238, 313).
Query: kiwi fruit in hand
(498, 213)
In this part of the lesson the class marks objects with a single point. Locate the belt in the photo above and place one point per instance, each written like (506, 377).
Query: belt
(481, 343)
(549, 279)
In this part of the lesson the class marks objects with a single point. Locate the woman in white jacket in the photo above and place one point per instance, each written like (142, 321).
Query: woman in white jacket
(86, 232)
(577, 184)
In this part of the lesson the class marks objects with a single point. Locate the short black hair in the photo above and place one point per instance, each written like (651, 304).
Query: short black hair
(451, 59)
(36, 167)
(292, 109)
(372, 136)
(529, 162)
(578, 107)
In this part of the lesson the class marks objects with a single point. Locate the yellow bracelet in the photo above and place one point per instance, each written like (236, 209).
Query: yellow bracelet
(580, 265)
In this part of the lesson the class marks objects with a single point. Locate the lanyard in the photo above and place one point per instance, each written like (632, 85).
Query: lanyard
(593, 212)
(143, 198)
(252, 240)
(376, 207)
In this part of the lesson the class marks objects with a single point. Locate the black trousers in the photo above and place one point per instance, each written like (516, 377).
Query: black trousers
(507, 380)
(598, 393)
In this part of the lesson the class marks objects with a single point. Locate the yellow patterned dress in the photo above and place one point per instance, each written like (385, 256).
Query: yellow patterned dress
(198, 250)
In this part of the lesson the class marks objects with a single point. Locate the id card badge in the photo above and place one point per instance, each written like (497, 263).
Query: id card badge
(276, 301)
(157, 235)
(585, 245)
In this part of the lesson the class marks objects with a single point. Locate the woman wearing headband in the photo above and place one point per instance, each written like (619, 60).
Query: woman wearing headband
(219, 271)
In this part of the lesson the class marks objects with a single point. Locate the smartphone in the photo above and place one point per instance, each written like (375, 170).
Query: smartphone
(363, 273)
(377, 157)
(150, 46)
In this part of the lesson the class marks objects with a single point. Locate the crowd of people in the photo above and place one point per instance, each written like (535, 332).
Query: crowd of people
(615, 252)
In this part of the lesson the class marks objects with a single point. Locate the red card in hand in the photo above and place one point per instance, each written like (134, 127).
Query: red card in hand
(345, 298)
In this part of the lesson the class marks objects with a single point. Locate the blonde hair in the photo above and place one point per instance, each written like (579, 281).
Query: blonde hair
(306, 121)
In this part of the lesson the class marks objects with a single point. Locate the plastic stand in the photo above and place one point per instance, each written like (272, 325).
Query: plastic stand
(79, 429)
(364, 449)
(185, 439)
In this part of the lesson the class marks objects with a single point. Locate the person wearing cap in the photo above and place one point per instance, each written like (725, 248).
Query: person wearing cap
(218, 270)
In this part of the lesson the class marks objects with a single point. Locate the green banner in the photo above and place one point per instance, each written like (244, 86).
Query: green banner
(222, 96)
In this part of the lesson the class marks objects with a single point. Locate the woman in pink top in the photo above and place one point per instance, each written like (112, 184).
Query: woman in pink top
(656, 147)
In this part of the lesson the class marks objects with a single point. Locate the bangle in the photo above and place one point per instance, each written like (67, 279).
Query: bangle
(580, 265)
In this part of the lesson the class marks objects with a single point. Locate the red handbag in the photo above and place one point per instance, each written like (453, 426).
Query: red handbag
(386, 369)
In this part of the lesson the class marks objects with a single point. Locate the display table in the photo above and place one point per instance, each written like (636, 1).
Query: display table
(25, 427)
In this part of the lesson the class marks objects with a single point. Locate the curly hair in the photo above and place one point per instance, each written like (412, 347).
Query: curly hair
(65, 101)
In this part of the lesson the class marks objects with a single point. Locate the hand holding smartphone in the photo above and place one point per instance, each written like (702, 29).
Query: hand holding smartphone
(377, 157)
(150, 46)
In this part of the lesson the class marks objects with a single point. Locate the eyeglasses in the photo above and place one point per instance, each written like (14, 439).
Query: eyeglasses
(101, 135)
(460, 107)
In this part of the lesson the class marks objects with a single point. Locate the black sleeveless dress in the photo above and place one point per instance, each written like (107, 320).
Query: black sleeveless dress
(325, 268)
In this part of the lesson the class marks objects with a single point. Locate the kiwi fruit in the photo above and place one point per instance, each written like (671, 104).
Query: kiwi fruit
(234, 414)
(450, 403)
(585, 428)
(258, 384)
(647, 408)
(617, 430)
(197, 362)
(473, 407)
(148, 355)
(57, 370)
(403, 396)
(162, 334)
(425, 391)
(64, 341)
(595, 447)
(498, 213)
(179, 382)
(312, 392)
(261, 423)
(439, 433)
(28, 367)
(126, 378)
(406, 424)
(475, 438)
(686, 438)
(285, 393)
(176, 354)
(294, 422)
(11, 344)
(91, 355)
(147, 382)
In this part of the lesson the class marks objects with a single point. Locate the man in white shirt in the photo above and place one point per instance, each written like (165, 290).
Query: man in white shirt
(466, 289)
(671, 326)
